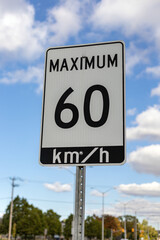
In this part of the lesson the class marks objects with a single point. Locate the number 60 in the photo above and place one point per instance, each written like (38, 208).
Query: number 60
(61, 105)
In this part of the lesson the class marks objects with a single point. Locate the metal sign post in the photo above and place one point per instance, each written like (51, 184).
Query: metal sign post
(79, 204)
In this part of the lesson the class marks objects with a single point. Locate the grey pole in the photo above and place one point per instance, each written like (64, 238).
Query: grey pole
(135, 228)
(103, 215)
(79, 203)
(125, 228)
(148, 233)
(103, 194)
(111, 234)
(11, 210)
(11, 207)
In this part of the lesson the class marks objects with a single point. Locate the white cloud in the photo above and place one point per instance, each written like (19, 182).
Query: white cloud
(156, 91)
(138, 206)
(32, 74)
(146, 189)
(25, 38)
(131, 17)
(65, 21)
(131, 112)
(19, 33)
(107, 211)
(135, 56)
(155, 71)
(97, 193)
(147, 125)
(146, 159)
(21, 37)
(58, 187)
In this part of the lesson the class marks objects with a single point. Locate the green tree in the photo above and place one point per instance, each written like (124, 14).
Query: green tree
(130, 224)
(93, 227)
(68, 227)
(1, 227)
(53, 223)
(27, 219)
(146, 230)
(14, 230)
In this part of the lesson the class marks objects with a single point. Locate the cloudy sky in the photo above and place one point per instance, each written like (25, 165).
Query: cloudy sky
(27, 29)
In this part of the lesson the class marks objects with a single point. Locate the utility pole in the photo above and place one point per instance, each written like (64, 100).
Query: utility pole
(125, 227)
(135, 227)
(11, 207)
(111, 234)
(103, 195)
(103, 215)
(125, 221)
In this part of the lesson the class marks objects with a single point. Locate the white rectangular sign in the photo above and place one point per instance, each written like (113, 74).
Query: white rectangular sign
(83, 116)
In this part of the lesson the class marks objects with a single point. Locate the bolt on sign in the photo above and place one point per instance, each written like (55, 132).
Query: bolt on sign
(83, 114)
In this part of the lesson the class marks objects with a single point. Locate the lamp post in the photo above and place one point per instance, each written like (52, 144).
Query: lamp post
(135, 223)
(125, 225)
(103, 195)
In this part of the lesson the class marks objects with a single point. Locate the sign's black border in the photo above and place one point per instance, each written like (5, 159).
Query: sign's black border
(123, 148)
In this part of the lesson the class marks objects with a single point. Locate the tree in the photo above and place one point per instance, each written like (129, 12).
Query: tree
(112, 223)
(27, 220)
(93, 227)
(1, 227)
(146, 230)
(68, 227)
(130, 225)
(52, 222)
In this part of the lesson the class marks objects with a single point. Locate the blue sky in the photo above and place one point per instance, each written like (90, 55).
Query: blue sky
(27, 29)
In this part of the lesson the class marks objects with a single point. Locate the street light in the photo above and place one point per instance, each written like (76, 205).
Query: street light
(103, 195)
(135, 219)
(125, 227)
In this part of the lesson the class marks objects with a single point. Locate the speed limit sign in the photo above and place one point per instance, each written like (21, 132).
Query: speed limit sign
(83, 114)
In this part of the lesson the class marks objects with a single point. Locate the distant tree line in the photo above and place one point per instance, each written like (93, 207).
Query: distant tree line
(29, 221)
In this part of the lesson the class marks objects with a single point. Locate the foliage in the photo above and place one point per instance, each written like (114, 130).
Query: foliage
(29, 220)
(112, 223)
(146, 230)
(93, 227)
(68, 227)
(130, 224)
(53, 222)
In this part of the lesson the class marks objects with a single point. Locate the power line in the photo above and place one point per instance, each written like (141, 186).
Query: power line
(45, 181)
(55, 201)
(59, 201)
